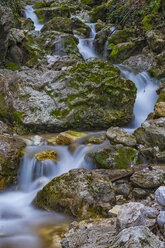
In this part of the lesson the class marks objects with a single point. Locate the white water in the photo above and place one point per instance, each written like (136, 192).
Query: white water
(19, 220)
(29, 13)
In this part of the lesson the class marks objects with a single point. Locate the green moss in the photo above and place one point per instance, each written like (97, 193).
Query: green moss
(38, 5)
(76, 134)
(161, 96)
(12, 66)
(147, 20)
(125, 157)
(19, 116)
(60, 114)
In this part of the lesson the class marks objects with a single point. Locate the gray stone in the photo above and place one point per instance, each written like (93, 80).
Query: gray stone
(123, 189)
(118, 135)
(136, 237)
(160, 195)
(135, 214)
(148, 178)
(138, 193)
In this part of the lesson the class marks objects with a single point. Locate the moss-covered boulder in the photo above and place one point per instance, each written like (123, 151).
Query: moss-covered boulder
(86, 96)
(99, 12)
(68, 137)
(41, 44)
(81, 193)
(114, 157)
(120, 36)
(80, 28)
(60, 24)
(46, 14)
(11, 151)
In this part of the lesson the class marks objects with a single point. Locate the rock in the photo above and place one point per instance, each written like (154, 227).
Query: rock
(148, 178)
(135, 214)
(161, 222)
(96, 138)
(120, 36)
(68, 137)
(160, 109)
(80, 28)
(115, 210)
(56, 101)
(47, 155)
(98, 12)
(139, 193)
(4, 128)
(90, 234)
(11, 150)
(156, 40)
(114, 157)
(118, 135)
(59, 24)
(47, 14)
(140, 62)
(152, 133)
(122, 51)
(79, 192)
(101, 38)
(136, 237)
(5, 25)
(26, 24)
(40, 45)
(160, 195)
(57, 63)
(123, 189)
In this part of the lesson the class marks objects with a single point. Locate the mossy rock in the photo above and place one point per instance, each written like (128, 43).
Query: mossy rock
(46, 14)
(80, 193)
(98, 12)
(120, 36)
(114, 157)
(67, 138)
(47, 155)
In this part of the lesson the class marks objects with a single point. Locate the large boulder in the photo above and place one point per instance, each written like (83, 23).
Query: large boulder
(60, 24)
(5, 25)
(86, 96)
(81, 193)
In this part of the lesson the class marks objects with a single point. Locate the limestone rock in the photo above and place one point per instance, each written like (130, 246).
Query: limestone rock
(90, 234)
(118, 135)
(160, 195)
(67, 138)
(161, 222)
(135, 214)
(136, 237)
(79, 192)
(155, 40)
(59, 100)
(148, 178)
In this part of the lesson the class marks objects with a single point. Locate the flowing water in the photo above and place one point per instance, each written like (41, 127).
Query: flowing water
(20, 222)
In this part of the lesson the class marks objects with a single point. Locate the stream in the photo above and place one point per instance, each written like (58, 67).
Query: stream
(20, 222)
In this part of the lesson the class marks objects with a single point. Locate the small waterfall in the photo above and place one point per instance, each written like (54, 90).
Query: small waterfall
(146, 95)
(85, 46)
(29, 13)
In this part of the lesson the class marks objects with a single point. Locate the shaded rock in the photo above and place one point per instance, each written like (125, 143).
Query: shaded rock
(58, 24)
(101, 38)
(79, 192)
(114, 157)
(123, 189)
(48, 13)
(160, 195)
(47, 155)
(135, 214)
(118, 135)
(90, 234)
(80, 28)
(98, 12)
(58, 101)
(148, 178)
(95, 138)
(4, 128)
(136, 237)
(5, 25)
(121, 36)
(11, 150)
(138, 193)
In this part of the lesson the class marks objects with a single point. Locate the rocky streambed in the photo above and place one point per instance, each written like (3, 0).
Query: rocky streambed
(68, 69)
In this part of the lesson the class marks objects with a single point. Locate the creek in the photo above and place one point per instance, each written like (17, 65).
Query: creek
(20, 222)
